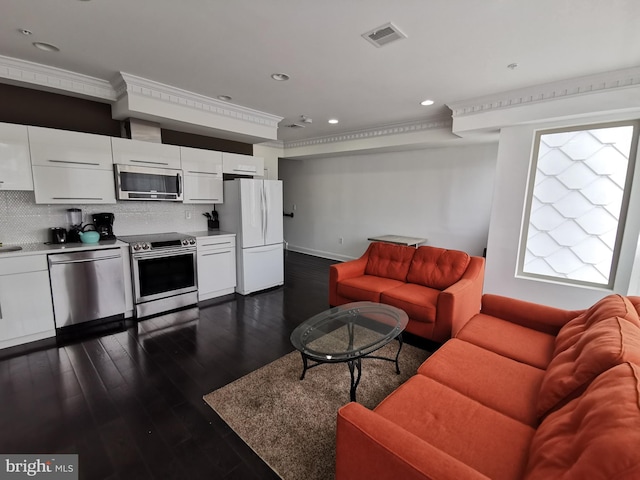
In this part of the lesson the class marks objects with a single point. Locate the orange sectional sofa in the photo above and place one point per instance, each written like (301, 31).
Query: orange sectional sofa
(523, 391)
(436, 287)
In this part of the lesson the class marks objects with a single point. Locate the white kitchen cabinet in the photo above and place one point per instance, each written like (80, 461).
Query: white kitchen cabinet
(201, 189)
(216, 266)
(26, 309)
(202, 171)
(65, 149)
(145, 154)
(71, 167)
(15, 161)
(73, 185)
(237, 164)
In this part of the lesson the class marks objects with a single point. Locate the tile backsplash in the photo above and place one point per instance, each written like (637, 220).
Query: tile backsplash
(23, 221)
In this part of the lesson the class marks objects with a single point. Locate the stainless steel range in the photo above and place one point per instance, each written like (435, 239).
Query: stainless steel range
(163, 267)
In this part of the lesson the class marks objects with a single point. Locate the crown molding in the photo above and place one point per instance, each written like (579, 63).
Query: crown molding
(617, 79)
(127, 84)
(272, 144)
(34, 75)
(379, 131)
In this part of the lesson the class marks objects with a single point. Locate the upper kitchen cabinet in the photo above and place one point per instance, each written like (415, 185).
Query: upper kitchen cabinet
(71, 167)
(15, 162)
(237, 164)
(148, 154)
(202, 175)
(62, 148)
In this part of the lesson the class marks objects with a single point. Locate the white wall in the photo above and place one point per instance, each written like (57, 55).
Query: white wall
(513, 166)
(270, 155)
(442, 194)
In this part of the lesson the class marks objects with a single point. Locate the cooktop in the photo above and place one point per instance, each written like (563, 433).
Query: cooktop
(158, 240)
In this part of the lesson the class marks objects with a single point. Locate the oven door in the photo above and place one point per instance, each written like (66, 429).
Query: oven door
(148, 183)
(162, 274)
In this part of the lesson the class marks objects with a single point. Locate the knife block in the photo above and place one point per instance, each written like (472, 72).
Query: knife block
(213, 224)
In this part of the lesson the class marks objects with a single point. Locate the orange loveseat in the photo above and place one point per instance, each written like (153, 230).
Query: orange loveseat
(522, 391)
(436, 287)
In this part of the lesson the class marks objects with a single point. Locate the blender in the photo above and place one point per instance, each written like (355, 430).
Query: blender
(74, 219)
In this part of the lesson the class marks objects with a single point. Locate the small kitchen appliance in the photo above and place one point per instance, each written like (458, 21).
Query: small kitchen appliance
(104, 225)
(57, 235)
(74, 219)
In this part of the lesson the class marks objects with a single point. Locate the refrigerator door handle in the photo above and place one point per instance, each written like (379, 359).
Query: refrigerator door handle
(264, 213)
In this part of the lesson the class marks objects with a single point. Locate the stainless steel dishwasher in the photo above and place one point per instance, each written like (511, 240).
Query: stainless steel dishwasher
(86, 285)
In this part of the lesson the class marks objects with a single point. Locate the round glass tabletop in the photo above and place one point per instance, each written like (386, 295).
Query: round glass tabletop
(348, 331)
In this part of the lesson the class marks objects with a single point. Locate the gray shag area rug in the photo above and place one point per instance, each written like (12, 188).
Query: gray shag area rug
(291, 423)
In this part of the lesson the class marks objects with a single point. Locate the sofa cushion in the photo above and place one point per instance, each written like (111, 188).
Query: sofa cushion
(493, 380)
(366, 287)
(602, 346)
(594, 436)
(419, 302)
(488, 441)
(509, 339)
(436, 267)
(635, 301)
(389, 261)
(607, 307)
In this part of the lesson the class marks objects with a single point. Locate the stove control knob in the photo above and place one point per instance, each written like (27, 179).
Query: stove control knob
(145, 246)
(192, 241)
(185, 242)
(136, 246)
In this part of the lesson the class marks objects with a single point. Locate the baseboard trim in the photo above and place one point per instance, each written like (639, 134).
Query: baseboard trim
(319, 253)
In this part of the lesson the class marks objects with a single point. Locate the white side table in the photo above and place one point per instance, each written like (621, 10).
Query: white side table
(398, 240)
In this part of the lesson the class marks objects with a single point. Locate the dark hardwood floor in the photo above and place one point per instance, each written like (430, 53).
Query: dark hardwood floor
(130, 403)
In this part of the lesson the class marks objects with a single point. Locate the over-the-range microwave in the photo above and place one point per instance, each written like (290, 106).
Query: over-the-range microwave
(148, 183)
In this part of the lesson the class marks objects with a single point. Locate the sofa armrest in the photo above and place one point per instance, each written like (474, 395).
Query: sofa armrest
(462, 300)
(528, 314)
(370, 446)
(342, 271)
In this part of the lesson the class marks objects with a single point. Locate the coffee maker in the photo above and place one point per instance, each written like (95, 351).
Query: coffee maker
(104, 225)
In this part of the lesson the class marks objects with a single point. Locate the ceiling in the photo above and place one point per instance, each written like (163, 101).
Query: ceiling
(455, 50)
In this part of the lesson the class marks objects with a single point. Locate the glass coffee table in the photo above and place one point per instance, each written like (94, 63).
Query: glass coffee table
(347, 334)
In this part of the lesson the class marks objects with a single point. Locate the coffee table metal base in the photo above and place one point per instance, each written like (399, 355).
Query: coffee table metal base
(354, 364)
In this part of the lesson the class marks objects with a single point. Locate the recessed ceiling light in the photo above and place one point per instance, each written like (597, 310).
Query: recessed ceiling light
(47, 47)
(224, 98)
(333, 121)
(24, 31)
(426, 103)
(280, 77)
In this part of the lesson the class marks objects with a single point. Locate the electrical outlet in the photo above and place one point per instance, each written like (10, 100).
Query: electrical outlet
(187, 214)
(294, 206)
(340, 240)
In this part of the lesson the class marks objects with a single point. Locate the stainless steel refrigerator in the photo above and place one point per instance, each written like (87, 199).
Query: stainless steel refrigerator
(252, 209)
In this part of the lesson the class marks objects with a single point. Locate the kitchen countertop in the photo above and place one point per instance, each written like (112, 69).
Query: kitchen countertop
(209, 233)
(44, 249)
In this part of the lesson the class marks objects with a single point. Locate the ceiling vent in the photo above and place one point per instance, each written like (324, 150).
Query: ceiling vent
(383, 35)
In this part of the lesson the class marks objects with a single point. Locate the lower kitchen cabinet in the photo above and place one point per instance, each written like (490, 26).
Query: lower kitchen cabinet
(26, 309)
(216, 266)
